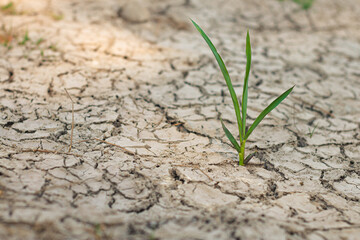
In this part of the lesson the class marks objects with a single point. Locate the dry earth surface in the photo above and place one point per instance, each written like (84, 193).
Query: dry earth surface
(142, 78)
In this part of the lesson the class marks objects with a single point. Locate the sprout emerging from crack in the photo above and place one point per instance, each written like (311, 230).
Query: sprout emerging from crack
(241, 117)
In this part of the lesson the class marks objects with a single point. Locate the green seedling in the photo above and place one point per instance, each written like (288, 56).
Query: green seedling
(311, 133)
(53, 47)
(25, 39)
(8, 8)
(58, 17)
(98, 230)
(39, 41)
(305, 4)
(241, 117)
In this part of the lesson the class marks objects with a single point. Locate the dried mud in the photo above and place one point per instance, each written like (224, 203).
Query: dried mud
(142, 78)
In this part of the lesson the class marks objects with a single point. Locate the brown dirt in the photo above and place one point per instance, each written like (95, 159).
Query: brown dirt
(142, 78)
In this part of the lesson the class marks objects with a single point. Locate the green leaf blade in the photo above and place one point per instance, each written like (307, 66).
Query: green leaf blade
(272, 105)
(231, 137)
(226, 77)
(249, 157)
(245, 87)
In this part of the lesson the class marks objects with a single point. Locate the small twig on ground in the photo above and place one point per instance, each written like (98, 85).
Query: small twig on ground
(113, 144)
(159, 122)
(195, 166)
(50, 151)
(72, 120)
(109, 143)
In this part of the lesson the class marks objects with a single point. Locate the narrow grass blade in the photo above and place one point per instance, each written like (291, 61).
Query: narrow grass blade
(226, 77)
(266, 111)
(245, 87)
(230, 137)
(249, 157)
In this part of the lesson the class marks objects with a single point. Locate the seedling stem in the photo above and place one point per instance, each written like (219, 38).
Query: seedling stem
(242, 153)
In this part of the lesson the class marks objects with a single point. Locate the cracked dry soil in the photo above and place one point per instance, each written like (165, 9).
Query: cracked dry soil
(142, 78)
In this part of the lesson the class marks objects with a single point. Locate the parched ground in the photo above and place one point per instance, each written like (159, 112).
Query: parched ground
(149, 159)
